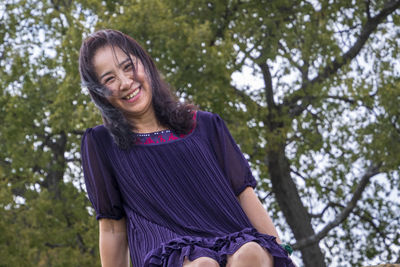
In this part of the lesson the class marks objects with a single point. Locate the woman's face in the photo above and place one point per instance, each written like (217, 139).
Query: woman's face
(132, 95)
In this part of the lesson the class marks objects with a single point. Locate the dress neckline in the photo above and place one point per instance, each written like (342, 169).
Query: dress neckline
(152, 133)
(163, 136)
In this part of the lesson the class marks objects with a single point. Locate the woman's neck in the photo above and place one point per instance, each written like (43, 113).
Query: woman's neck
(147, 123)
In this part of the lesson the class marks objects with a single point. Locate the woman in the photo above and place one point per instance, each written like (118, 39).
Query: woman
(168, 183)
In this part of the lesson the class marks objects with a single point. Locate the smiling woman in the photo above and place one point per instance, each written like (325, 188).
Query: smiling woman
(109, 62)
(126, 79)
(166, 180)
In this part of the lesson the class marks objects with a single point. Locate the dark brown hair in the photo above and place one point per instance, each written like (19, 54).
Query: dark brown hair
(169, 111)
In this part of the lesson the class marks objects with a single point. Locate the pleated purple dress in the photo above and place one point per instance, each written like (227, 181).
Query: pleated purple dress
(178, 193)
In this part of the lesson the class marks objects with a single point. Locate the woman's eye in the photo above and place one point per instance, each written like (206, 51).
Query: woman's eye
(109, 79)
(128, 66)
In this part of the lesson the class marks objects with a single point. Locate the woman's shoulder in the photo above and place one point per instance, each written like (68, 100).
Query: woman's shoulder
(98, 134)
(206, 116)
(97, 131)
(209, 123)
(209, 120)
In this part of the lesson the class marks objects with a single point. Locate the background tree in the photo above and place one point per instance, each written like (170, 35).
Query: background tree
(44, 212)
(320, 127)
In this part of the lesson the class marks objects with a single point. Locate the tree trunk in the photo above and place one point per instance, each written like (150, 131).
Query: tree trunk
(290, 203)
(283, 186)
(56, 167)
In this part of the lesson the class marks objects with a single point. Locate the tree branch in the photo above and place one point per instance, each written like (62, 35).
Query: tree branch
(366, 32)
(342, 98)
(348, 29)
(269, 92)
(247, 54)
(303, 69)
(368, 8)
(226, 17)
(372, 171)
(298, 174)
(285, 51)
(296, 109)
(77, 132)
(245, 97)
(319, 215)
(267, 196)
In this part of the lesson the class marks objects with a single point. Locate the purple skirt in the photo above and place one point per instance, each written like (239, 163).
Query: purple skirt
(174, 252)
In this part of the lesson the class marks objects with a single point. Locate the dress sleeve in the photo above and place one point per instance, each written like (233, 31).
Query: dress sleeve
(233, 163)
(101, 185)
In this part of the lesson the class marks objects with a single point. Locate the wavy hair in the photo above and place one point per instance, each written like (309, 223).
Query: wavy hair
(169, 111)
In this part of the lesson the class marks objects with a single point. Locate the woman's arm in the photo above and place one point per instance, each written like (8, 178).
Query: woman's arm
(113, 243)
(256, 213)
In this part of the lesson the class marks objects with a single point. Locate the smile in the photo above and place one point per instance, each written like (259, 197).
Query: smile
(133, 94)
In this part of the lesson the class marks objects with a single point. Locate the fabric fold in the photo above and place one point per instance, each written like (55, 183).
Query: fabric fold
(217, 248)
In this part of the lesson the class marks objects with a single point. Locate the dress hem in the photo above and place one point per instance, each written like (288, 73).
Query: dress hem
(173, 253)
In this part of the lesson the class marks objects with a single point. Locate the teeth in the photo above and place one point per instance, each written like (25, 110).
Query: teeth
(132, 95)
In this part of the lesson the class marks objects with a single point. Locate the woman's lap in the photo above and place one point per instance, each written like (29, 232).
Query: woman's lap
(250, 252)
(200, 262)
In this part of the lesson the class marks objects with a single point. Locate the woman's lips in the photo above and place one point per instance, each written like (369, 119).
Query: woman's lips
(134, 95)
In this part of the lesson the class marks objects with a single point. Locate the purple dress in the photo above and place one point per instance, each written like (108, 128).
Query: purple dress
(178, 193)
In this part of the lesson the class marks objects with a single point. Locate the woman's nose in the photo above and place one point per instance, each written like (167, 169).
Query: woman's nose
(126, 82)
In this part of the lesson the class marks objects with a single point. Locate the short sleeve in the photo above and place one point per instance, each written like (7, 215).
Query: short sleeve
(231, 159)
(101, 185)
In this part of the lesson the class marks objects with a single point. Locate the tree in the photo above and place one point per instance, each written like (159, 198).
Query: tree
(44, 216)
(321, 132)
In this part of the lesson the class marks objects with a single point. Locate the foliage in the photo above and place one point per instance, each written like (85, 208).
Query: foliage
(318, 117)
